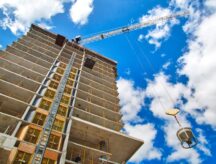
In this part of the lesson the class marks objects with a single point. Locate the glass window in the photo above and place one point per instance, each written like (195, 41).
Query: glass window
(58, 125)
(39, 119)
(53, 141)
(53, 85)
(50, 94)
(32, 135)
(62, 110)
(57, 77)
(22, 158)
(45, 104)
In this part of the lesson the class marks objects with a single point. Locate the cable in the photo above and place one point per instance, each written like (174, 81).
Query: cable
(142, 66)
(153, 70)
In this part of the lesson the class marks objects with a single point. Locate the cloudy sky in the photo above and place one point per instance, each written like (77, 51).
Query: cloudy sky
(170, 64)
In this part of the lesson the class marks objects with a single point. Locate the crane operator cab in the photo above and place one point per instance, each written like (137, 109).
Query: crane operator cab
(184, 134)
(77, 39)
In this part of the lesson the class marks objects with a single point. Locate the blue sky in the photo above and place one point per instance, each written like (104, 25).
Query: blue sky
(171, 64)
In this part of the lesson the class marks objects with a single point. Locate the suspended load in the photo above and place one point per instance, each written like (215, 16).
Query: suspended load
(184, 134)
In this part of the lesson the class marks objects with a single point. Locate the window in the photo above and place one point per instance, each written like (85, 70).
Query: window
(39, 119)
(48, 161)
(53, 85)
(60, 71)
(62, 65)
(22, 158)
(60, 40)
(50, 94)
(32, 135)
(45, 104)
(67, 90)
(65, 99)
(72, 76)
(53, 141)
(58, 125)
(89, 63)
(70, 82)
(62, 110)
(73, 70)
(57, 77)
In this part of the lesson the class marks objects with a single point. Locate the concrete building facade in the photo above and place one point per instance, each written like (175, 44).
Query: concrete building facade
(59, 104)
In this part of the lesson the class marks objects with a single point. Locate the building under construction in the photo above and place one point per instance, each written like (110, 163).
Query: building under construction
(59, 104)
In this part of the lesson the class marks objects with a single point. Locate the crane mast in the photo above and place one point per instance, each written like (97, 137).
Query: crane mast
(129, 28)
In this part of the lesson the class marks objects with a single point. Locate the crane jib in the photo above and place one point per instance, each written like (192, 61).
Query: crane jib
(132, 27)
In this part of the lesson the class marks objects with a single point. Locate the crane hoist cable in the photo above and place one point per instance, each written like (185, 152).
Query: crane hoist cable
(184, 134)
(142, 66)
(153, 70)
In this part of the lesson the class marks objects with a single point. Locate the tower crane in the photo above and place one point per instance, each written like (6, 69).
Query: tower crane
(133, 27)
(185, 135)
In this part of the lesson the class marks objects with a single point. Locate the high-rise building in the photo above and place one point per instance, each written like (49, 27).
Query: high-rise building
(59, 104)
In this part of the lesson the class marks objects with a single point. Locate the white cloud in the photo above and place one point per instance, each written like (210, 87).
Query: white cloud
(141, 37)
(199, 65)
(19, 14)
(165, 94)
(162, 29)
(166, 65)
(80, 11)
(203, 142)
(1, 46)
(163, 55)
(147, 133)
(211, 4)
(45, 26)
(131, 100)
(190, 155)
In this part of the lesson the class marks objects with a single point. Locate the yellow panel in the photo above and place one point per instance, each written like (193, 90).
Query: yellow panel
(53, 85)
(58, 125)
(53, 141)
(62, 110)
(65, 99)
(172, 112)
(62, 65)
(45, 104)
(39, 119)
(60, 71)
(50, 93)
(22, 157)
(32, 135)
(57, 77)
